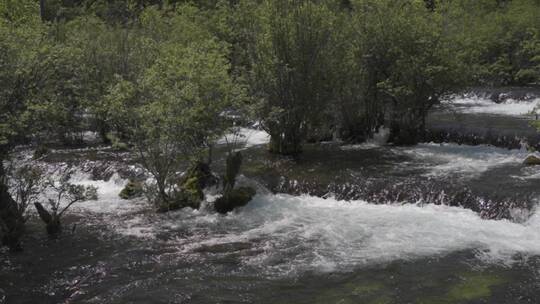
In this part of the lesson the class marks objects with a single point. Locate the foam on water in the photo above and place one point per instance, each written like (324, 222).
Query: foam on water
(379, 139)
(288, 234)
(246, 137)
(283, 234)
(447, 158)
(108, 200)
(486, 106)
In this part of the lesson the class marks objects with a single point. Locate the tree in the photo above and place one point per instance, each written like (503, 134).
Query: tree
(64, 195)
(290, 69)
(409, 60)
(20, 37)
(25, 183)
(500, 40)
(174, 112)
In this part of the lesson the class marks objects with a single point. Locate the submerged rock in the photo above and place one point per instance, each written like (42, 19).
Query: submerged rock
(474, 287)
(532, 160)
(233, 199)
(131, 190)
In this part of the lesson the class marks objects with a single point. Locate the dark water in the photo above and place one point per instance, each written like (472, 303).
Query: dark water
(425, 224)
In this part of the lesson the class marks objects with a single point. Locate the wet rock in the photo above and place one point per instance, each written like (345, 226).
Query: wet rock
(190, 189)
(133, 189)
(180, 200)
(197, 178)
(233, 199)
(532, 160)
(40, 152)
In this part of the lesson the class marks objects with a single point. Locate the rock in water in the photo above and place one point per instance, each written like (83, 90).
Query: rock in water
(532, 160)
(233, 199)
(131, 190)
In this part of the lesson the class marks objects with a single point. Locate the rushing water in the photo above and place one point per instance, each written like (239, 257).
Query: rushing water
(393, 227)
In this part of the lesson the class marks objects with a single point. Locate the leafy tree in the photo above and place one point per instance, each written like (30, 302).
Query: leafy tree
(64, 195)
(21, 36)
(25, 183)
(290, 69)
(409, 61)
(173, 112)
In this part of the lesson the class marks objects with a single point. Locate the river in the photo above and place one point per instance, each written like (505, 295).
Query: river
(369, 223)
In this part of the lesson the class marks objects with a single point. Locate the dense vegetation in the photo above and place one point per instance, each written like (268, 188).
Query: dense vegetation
(157, 76)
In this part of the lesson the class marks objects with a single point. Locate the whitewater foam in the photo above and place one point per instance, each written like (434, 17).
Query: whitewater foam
(284, 234)
(448, 158)
(288, 234)
(246, 137)
(485, 106)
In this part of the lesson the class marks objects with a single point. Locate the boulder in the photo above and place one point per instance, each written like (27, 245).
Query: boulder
(532, 160)
(233, 199)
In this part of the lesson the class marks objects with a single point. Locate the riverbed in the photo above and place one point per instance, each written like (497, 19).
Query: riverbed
(367, 223)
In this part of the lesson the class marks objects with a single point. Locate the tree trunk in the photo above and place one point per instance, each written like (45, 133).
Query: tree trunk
(285, 144)
(11, 222)
(52, 222)
(42, 9)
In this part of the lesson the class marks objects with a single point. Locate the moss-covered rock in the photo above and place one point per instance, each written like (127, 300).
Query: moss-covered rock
(473, 286)
(532, 160)
(131, 190)
(233, 199)
(178, 201)
(190, 188)
(198, 177)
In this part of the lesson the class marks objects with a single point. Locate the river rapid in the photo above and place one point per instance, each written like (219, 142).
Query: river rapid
(369, 223)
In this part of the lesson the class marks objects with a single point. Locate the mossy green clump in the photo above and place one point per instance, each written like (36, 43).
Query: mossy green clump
(234, 198)
(191, 187)
(178, 201)
(367, 288)
(189, 192)
(132, 189)
(381, 300)
(473, 286)
(371, 292)
(116, 142)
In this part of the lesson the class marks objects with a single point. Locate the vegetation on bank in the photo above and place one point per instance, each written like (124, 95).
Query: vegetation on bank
(158, 77)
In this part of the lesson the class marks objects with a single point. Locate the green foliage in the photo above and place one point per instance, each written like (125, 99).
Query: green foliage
(63, 195)
(500, 43)
(19, 188)
(131, 190)
(172, 111)
(293, 53)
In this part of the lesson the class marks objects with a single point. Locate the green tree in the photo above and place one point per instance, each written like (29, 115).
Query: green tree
(290, 69)
(409, 60)
(21, 35)
(173, 112)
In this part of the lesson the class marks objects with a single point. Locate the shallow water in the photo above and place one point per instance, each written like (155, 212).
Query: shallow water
(433, 223)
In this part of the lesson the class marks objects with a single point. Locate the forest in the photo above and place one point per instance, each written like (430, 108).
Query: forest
(165, 80)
